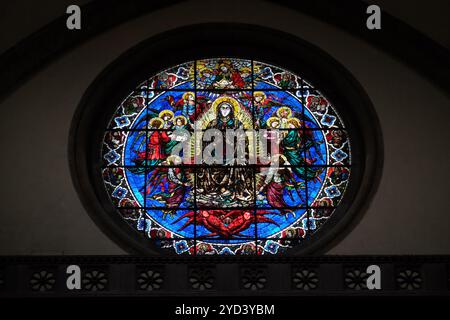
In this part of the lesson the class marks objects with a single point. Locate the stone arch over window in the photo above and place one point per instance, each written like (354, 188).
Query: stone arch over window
(206, 77)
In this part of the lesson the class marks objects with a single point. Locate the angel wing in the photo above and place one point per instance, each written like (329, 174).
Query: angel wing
(272, 100)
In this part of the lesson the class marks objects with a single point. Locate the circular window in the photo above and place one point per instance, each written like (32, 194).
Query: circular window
(222, 154)
(275, 171)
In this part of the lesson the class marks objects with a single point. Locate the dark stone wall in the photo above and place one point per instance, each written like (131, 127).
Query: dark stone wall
(41, 212)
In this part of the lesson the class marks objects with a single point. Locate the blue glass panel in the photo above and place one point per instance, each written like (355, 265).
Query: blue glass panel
(171, 203)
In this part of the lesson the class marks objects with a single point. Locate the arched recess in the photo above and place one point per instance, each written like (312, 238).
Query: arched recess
(396, 37)
(241, 41)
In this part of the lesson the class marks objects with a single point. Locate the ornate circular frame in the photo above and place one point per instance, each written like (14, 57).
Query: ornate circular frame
(226, 40)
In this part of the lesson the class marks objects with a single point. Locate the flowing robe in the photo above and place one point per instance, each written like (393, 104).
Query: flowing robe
(155, 152)
(293, 148)
(227, 180)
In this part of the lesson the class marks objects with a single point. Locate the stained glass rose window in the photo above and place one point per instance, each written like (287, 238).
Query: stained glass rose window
(226, 156)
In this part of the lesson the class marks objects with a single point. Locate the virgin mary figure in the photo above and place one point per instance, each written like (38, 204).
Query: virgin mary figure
(226, 184)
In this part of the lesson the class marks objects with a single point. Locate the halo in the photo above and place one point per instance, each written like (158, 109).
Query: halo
(186, 94)
(273, 119)
(156, 119)
(206, 69)
(229, 100)
(164, 112)
(259, 93)
(282, 109)
(295, 121)
(227, 63)
(180, 117)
